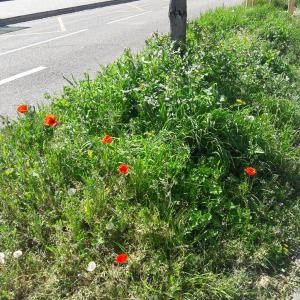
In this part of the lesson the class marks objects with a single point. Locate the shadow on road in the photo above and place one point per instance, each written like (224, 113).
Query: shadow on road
(62, 11)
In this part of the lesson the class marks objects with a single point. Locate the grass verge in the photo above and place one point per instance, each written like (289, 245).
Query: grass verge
(193, 223)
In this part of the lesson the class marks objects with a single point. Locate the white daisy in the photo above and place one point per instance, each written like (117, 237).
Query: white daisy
(72, 191)
(250, 118)
(2, 258)
(91, 266)
(17, 254)
(110, 226)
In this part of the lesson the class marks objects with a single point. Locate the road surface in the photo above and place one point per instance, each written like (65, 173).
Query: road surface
(36, 56)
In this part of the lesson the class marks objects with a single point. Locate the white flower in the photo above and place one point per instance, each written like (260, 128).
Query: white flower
(250, 118)
(34, 174)
(110, 226)
(72, 191)
(264, 281)
(17, 254)
(91, 266)
(2, 258)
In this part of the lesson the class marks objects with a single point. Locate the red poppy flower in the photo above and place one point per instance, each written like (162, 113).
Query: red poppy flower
(107, 139)
(123, 169)
(121, 258)
(22, 109)
(50, 120)
(250, 171)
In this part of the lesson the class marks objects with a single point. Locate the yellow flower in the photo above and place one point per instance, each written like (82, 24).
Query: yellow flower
(240, 102)
(107, 190)
(150, 134)
(90, 154)
(285, 249)
(8, 171)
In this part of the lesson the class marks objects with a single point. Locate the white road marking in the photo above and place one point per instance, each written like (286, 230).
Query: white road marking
(32, 33)
(136, 7)
(61, 24)
(43, 42)
(123, 19)
(20, 75)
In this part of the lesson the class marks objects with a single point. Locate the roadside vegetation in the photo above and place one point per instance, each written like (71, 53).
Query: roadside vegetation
(189, 166)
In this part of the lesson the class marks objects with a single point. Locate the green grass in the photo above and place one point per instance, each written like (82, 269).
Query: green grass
(194, 225)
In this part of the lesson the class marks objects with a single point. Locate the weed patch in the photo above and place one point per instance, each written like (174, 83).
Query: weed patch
(190, 166)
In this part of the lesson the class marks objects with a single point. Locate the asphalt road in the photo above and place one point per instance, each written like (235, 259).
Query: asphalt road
(11, 9)
(36, 58)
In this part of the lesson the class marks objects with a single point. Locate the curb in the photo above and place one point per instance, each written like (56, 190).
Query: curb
(61, 11)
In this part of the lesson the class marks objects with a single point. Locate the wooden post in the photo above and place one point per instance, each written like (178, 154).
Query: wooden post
(291, 6)
(178, 21)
